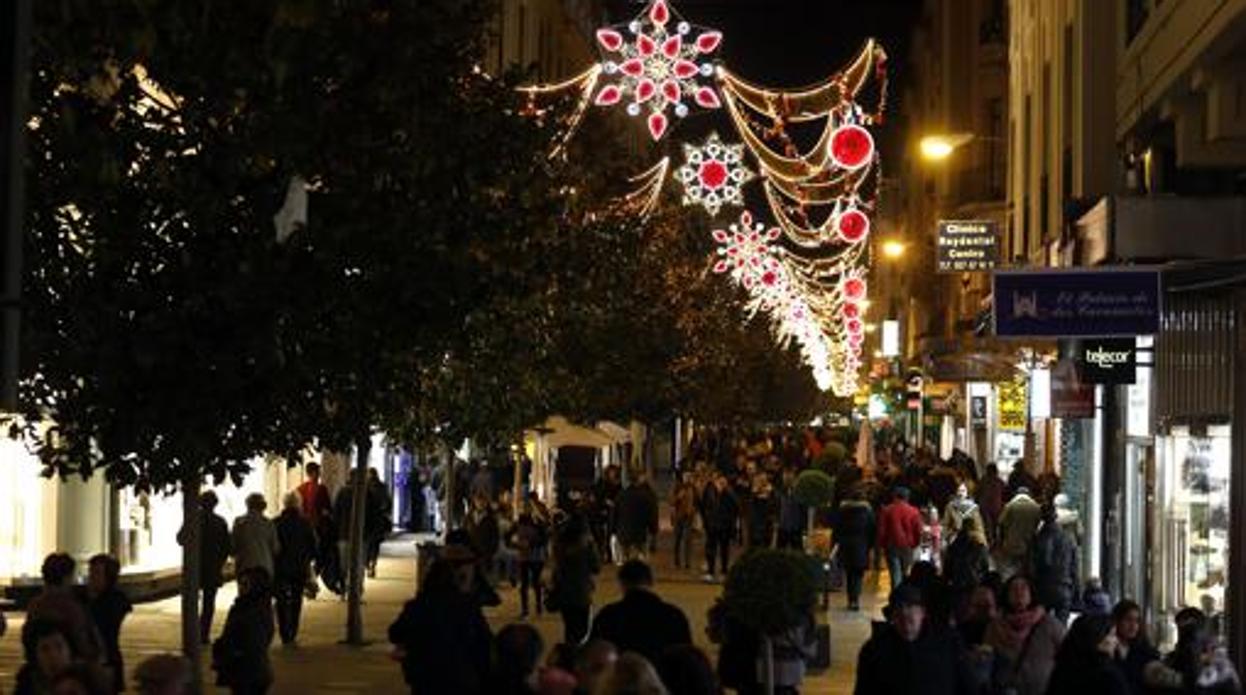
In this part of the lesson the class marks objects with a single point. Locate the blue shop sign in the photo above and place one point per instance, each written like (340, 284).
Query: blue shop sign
(1069, 303)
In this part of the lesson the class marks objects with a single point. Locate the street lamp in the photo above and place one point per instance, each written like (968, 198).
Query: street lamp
(939, 147)
(893, 250)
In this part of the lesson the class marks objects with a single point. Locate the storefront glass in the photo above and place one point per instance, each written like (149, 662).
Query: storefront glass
(1193, 489)
(26, 532)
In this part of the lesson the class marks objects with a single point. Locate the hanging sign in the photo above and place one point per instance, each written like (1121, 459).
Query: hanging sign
(1109, 360)
(1072, 398)
(977, 408)
(1013, 405)
(1071, 303)
(967, 246)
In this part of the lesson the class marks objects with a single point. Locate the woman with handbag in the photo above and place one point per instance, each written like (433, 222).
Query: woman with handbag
(1027, 638)
(576, 564)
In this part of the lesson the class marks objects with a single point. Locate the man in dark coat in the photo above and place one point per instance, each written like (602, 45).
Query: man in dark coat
(641, 622)
(293, 567)
(637, 519)
(907, 655)
(990, 499)
(719, 512)
(442, 635)
(215, 546)
(854, 534)
(240, 654)
(1054, 559)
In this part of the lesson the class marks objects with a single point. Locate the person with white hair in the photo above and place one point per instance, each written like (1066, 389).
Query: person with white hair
(297, 542)
(255, 538)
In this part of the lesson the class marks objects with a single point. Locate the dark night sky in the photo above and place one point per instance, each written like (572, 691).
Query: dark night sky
(793, 43)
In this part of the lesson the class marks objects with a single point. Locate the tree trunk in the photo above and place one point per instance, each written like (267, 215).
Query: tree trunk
(451, 483)
(355, 549)
(767, 646)
(192, 540)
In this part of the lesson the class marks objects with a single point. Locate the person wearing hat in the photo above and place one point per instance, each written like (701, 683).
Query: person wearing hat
(908, 654)
(441, 637)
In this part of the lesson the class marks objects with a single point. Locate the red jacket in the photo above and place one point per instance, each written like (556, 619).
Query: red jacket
(899, 526)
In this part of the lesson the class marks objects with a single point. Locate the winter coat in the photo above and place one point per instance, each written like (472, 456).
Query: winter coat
(719, 510)
(445, 642)
(61, 606)
(967, 561)
(1133, 663)
(574, 570)
(1031, 671)
(484, 532)
(240, 654)
(929, 665)
(854, 534)
(531, 539)
(636, 514)
(684, 504)
(255, 543)
(1017, 525)
(643, 623)
(297, 541)
(791, 512)
(899, 526)
(317, 506)
(377, 516)
(990, 497)
(1054, 562)
(215, 547)
(957, 511)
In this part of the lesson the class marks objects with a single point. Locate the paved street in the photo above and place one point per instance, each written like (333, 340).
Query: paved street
(323, 666)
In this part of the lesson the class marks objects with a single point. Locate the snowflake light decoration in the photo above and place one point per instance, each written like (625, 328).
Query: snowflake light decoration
(713, 174)
(658, 68)
(747, 251)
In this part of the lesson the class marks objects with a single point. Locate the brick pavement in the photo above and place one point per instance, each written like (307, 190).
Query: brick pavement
(321, 665)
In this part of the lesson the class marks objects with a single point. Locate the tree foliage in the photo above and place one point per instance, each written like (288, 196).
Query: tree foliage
(771, 590)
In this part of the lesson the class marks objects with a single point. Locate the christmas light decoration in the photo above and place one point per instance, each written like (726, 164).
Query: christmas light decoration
(713, 174)
(658, 62)
(806, 269)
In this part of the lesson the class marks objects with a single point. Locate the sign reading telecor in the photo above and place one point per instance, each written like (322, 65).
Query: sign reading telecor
(1109, 360)
(967, 246)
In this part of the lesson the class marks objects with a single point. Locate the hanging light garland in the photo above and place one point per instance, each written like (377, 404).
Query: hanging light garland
(808, 276)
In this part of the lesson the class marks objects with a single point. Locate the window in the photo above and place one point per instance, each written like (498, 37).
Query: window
(996, 156)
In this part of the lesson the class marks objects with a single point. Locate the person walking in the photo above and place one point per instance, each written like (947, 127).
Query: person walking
(1054, 559)
(959, 509)
(1027, 638)
(1134, 652)
(531, 542)
(637, 519)
(215, 546)
(606, 497)
(240, 654)
(899, 534)
(378, 521)
(317, 508)
(108, 607)
(58, 604)
(719, 512)
(1085, 664)
(791, 514)
(683, 517)
(297, 542)
(853, 534)
(441, 637)
(966, 562)
(1018, 523)
(641, 622)
(576, 564)
(255, 538)
(990, 499)
(909, 655)
(484, 533)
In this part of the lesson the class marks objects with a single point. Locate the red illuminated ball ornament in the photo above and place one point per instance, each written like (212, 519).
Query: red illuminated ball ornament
(851, 311)
(852, 147)
(854, 289)
(853, 225)
(854, 327)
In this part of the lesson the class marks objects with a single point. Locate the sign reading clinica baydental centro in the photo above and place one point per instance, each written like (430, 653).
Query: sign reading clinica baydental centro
(967, 246)
(1108, 360)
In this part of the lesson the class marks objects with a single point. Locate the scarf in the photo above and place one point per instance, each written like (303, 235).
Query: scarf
(1017, 626)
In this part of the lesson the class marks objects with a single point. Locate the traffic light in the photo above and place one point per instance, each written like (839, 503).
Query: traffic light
(913, 385)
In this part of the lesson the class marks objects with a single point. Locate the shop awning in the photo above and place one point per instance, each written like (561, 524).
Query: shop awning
(973, 366)
(560, 432)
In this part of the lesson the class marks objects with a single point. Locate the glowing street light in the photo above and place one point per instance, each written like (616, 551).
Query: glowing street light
(940, 147)
(893, 249)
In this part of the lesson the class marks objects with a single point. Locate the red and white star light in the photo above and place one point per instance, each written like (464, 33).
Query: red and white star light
(657, 63)
(713, 174)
